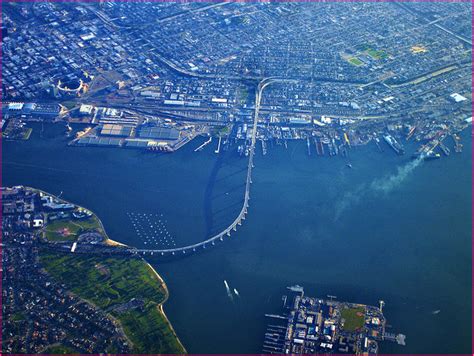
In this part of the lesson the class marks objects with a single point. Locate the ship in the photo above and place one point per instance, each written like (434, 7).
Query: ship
(334, 147)
(264, 147)
(377, 142)
(394, 144)
(296, 288)
(445, 149)
(411, 132)
(68, 130)
(426, 154)
(83, 133)
(159, 148)
(320, 147)
(431, 155)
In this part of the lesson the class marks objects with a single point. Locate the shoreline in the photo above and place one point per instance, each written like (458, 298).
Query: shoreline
(160, 306)
(111, 242)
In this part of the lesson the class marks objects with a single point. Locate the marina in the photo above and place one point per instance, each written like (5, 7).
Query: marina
(151, 230)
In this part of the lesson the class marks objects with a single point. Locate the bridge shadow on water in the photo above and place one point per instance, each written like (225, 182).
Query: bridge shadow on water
(239, 171)
(220, 217)
(223, 198)
(239, 189)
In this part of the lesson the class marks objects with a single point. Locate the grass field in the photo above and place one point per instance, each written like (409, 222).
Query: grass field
(355, 61)
(69, 230)
(18, 316)
(59, 350)
(107, 282)
(27, 134)
(222, 131)
(376, 54)
(243, 94)
(150, 331)
(354, 318)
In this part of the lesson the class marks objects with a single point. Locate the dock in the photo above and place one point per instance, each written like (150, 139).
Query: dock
(276, 316)
(457, 143)
(203, 145)
(444, 148)
(218, 149)
(264, 147)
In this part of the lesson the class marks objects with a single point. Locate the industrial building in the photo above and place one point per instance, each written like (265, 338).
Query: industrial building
(26, 110)
(159, 133)
(116, 130)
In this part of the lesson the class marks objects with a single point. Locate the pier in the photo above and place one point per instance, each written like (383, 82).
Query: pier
(264, 147)
(203, 145)
(218, 145)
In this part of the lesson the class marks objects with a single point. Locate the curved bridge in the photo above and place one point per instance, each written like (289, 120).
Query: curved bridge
(238, 220)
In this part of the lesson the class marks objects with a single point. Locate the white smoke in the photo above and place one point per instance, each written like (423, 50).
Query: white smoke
(349, 199)
(394, 181)
(380, 185)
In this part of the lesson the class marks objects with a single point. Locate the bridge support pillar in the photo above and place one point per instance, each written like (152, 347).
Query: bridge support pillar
(235, 228)
(228, 233)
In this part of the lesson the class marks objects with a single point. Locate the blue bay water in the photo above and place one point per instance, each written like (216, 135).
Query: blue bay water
(387, 229)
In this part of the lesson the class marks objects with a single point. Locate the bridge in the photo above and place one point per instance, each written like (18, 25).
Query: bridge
(243, 212)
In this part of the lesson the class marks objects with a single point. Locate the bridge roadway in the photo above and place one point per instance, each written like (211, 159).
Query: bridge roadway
(238, 220)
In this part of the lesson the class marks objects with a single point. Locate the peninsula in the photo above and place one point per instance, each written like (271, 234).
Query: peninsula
(84, 302)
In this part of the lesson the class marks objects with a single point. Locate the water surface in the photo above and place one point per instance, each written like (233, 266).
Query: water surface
(387, 229)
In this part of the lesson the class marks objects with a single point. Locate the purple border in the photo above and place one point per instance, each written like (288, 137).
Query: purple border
(249, 1)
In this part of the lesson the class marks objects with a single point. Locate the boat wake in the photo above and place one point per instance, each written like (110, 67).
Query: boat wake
(229, 293)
